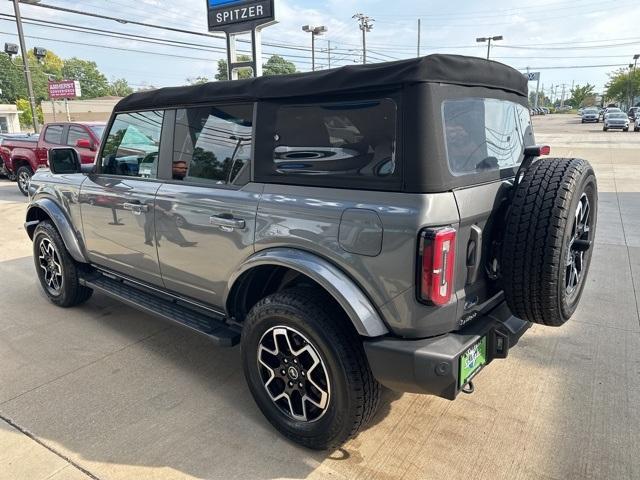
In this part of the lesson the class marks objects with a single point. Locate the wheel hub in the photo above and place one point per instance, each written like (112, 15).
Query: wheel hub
(293, 374)
(49, 262)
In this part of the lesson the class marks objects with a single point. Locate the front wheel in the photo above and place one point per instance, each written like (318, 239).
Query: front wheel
(56, 270)
(625, 129)
(604, 129)
(306, 368)
(24, 175)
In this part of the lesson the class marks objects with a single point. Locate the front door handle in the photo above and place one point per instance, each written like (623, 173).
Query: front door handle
(136, 208)
(227, 221)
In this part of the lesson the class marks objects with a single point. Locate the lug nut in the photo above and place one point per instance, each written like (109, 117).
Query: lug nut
(295, 360)
(300, 384)
(283, 371)
(302, 373)
(286, 361)
(291, 384)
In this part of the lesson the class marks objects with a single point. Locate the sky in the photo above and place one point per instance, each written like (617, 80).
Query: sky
(550, 36)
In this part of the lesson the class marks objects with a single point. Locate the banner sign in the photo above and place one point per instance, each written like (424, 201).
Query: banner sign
(65, 89)
(234, 16)
(532, 76)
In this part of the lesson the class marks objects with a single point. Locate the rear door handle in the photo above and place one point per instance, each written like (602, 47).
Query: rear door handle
(136, 208)
(227, 221)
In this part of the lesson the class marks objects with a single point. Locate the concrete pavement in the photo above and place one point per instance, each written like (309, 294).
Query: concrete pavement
(103, 391)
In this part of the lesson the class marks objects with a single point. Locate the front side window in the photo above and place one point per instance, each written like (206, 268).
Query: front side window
(483, 134)
(351, 140)
(75, 134)
(213, 145)
(53, 134)
(132, 145)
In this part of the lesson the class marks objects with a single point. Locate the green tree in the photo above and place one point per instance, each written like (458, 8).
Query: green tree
(276, 65)
(200, 80)
(581, 95)
(120, 88)
(242, 73)
(621, 83)
(92, 81)
(13, 85)
(25, 116)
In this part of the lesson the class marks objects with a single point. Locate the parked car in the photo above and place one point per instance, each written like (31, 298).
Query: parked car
(609, 110)
(632, 112)
(590, 115)
(23, 156)
(350, 228)
(5, 153)
(616, 120)
(545, 110)
(636, 124)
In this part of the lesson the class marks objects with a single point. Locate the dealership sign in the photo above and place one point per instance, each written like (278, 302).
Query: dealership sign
(233, 16)
(64, 89)
(532, 76)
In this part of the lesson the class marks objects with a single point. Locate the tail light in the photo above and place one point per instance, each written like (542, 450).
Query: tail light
(436, 259)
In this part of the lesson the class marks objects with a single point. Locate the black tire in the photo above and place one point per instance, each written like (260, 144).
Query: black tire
(636, 129)
(625, 129)
(545, 259)
(353, 393)
(70, 292)
(604, 129)
(23, 176)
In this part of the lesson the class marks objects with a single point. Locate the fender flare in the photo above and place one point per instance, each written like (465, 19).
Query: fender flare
(358, 307)
(70, 237)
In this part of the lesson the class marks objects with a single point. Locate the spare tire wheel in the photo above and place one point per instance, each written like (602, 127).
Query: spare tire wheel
(548, 240)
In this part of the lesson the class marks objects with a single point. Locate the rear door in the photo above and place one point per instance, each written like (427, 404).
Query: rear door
(206, 210)
(482, 134)
(118, 201)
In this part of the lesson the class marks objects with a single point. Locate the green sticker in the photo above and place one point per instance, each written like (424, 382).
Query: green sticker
(472, 360)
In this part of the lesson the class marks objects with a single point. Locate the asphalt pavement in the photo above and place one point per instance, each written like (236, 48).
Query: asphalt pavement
(102, 391)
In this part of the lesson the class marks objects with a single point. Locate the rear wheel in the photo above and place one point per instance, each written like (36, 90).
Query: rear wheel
(306, 368)
(57, 271)
(548, 240)
(604, 129)
(625, 129)
(24, 175)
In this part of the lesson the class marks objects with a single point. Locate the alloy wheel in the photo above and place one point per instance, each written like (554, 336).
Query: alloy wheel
(579, 243)
(23, 181)
(294, 374)
(49, 262)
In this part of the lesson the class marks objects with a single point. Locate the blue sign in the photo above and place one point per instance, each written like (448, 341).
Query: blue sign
(222, 3)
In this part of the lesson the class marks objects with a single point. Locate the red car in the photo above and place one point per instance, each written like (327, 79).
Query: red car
(23, 156)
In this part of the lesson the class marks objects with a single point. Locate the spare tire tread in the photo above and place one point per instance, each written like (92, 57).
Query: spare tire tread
(533, 238)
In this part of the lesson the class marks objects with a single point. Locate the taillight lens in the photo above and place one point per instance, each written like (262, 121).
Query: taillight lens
(436, 262)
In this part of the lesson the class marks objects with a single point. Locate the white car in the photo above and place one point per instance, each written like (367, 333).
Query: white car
(636, 125)
(616, 120)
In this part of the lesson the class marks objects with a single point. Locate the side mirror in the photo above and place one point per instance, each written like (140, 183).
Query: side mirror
(85, 143)
(64, 160)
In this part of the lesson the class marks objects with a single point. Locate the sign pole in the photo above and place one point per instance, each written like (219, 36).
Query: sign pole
(256, 40)
(66, 107)
(53, 109)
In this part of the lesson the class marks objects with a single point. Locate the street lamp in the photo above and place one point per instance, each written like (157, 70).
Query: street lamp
(489, 40)
(314, 31)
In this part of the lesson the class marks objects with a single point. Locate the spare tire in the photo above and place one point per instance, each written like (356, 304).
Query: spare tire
(548, 240)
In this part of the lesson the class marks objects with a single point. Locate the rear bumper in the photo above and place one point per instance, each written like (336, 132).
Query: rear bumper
(431, 365)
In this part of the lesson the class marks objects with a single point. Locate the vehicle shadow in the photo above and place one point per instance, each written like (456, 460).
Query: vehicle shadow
(162, 397)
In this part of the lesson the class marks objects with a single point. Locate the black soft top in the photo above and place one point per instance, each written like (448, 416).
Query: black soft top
(449, 69)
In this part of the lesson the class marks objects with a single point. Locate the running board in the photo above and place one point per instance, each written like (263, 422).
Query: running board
(214, 327)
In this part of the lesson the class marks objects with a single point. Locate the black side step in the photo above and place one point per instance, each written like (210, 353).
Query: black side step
(215, 327)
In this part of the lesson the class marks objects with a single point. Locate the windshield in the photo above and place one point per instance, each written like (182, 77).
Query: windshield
(618, 115)
(98, 130)
(591, 110)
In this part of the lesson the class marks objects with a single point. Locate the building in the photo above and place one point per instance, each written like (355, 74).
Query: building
(9, 121)
(95, 109)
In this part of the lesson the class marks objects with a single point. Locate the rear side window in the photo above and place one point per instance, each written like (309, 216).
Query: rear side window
(132, 145)
(75, 134)
(213, 145)
(350, 141)
(483, 134)
(53, 134)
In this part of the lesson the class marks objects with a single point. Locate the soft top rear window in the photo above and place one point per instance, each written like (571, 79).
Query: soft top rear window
(483, 134)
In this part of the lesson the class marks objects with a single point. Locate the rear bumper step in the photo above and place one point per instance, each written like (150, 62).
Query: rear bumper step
(431, 365)
(169, 309)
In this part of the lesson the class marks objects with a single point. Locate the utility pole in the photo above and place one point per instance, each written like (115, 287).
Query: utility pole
(366, 25)
(329, 53)
(635, 65)
(419, 37)
(25, 63)
(629, 83)
(562, 97)
(489, 40)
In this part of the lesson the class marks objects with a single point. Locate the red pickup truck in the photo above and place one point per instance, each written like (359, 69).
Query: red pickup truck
(20, 157)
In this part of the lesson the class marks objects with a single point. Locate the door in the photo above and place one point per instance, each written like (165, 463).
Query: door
(79, 138)
(205, 212)
(117, 203)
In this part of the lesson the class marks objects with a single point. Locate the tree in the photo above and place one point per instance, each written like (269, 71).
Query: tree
(276, 65)
(25, 116)
(120, 88)
(93, 83)
(580, 95)
(621, 83)
(199, 80)
(242, 73)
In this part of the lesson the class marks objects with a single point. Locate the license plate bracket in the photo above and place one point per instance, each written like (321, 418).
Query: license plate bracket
(472, 361)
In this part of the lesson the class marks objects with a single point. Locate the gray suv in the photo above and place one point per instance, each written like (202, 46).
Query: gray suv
(378, 225)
